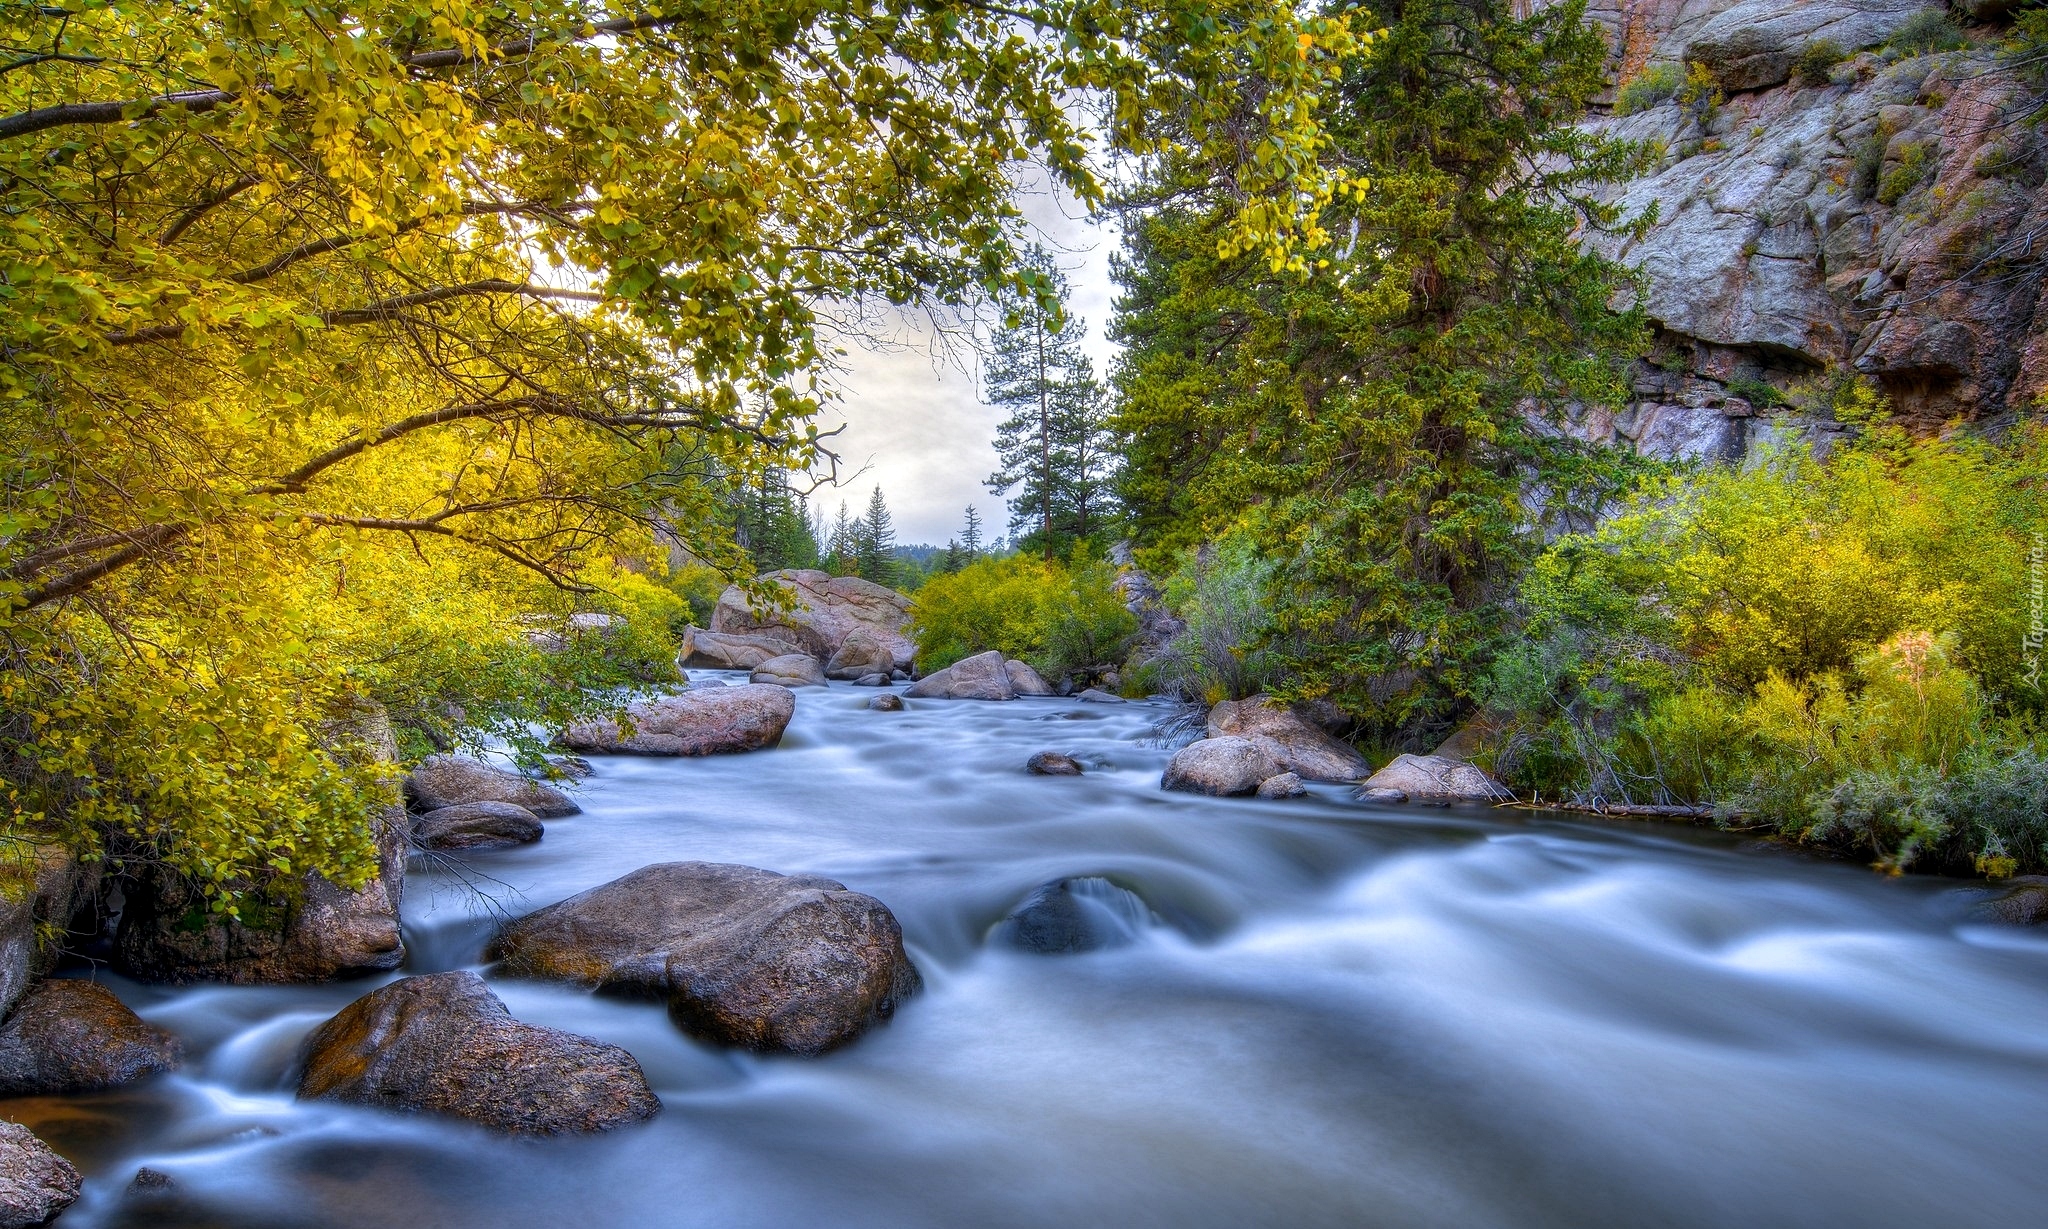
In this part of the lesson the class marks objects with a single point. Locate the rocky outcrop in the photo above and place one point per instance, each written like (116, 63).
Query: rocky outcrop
(1872, 215)
(1293, 742)
(820, 611)
(477, 825)
(74, 1036)
(745, 957)
(35, 1183)
(983, 676)
(714, 721)
(1024, 681)
(444, 1044)
(861, 653)
(706, 650)
(790, 670)
(453, 780)
(1220, 767)
(1435, 779)
(1053, 764)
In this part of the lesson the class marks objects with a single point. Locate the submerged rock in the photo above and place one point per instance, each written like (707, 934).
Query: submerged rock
(861, 653)
(718, 721)
(477, 825)
(1432, 778)
(887, 704)
(2022, 901)
(703, 650)
(149, 1181)
(1220, 767)
(35, 1183)
(744, 956)
(1294, 743)
(1286, 785)
(1075, 915)
(1025, 681)
(1053, 764)
(74, 1036)
(444, 1044)
(790, 670)
(452, 780)
(980, 677)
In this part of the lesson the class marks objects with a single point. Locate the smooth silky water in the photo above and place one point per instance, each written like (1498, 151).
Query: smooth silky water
(1324, 1014)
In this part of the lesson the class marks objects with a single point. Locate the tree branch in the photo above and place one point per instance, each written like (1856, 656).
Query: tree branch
(384, 309)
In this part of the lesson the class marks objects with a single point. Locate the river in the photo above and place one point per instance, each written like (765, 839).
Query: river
(1327, 1014)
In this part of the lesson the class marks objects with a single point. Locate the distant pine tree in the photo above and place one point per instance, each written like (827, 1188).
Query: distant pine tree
(845, 553)
(875, 542)
(970, 537)
(955, 558)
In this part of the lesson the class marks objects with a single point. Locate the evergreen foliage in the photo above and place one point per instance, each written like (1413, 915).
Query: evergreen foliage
(875, 542)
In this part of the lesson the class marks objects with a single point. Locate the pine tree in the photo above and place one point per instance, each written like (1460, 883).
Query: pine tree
(876, 542)
(1037, 372)
(845, 544)
(970, 536)
(954, 559)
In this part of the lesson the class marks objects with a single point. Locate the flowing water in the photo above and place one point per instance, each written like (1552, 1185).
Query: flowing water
(1314, 1013)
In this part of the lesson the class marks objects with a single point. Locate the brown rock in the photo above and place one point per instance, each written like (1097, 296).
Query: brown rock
(714, 721)
(887, 703)
(35, 1183)
(477, 825)
(1432, 778)
(1220, 767)
(444, 1044)
(861, 653)
(74, 1036)
(1053, 764)
(821, 611)
(983, 676)
(1295, 744)
(2022, 901)
(789, 670)
(58, 884)
(1025, 681)
(1286, 785)
(450, 780)
(702, 650)
(744, 956)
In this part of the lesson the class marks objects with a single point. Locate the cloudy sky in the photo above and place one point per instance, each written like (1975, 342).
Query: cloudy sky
(913, 414)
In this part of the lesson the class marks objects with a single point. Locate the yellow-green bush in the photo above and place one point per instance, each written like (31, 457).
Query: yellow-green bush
(1063, 619)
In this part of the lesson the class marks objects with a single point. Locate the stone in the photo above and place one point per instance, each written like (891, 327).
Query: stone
(1096, 696)
(891, 703)
(450, 780)
(75, 1036)
(821, 611)
(706, 650)
(477, 825)
(1220, 767)
(1053, 764)
(1293, 742)
(872, 680)
(444, 1044)
(790, 670)
(149, 1181)
(2022, 901)
(1382, 794)
(35, 1183)
(861, 653)
(718, 721)
(573, 767)
(981, 677)
(1285, 785)
(1025, 681)
(1434, 778)
(745, 957)
(1753, 44)
(1075, 915)
(55, 886)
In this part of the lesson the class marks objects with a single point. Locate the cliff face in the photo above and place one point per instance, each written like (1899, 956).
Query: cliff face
(1883, 213)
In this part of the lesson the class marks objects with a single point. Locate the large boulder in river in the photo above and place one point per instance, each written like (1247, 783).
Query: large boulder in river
(714, 721)
(35, 1183)
(744, 956)
(790, 670)
(821, 611)
(444, 1044)
(703, 650)
(862, 653)
(477, 825)
(1220, 767)
(74, 1036)
(1025, 681)
(1295, 744)
(1432, 778)
(452, 780)
(984, 676)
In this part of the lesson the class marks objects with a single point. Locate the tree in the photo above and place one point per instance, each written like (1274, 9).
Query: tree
(954, 559)
(846, 535)
(1384, 422)
(1052, 447)
(876, 542)
(970, 535)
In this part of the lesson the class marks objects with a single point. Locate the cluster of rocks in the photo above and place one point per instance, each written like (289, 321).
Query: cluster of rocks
(984, 676)
(806, 627)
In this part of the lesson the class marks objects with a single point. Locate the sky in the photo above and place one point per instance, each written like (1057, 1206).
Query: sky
(914, 420)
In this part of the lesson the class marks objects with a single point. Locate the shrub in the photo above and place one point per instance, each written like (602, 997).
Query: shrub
(1063, 619)
(1915, 161)
(1219, 593)
(1817, 60)
(1926, 31)
(1653, 86)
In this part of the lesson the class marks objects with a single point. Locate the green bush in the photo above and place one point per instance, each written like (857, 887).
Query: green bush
(1064, 619)
(1817, 60)
(1915, 161)
(1928, 30)
(1655, 85)
(1222, 653)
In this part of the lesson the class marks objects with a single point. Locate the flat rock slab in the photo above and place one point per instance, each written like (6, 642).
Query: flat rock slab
(744, 956)
(1432, 778)
(1220, 767)
(35, 1183)
(477, 825)
(444, 1044)
(790, 670)
(1295, 743)
(76, 1036)
(984, 676)
(451, 780)
(717, 721)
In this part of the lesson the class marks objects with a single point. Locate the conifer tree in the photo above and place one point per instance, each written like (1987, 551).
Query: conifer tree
(954, 559)
(970, 535)
(875, 542)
